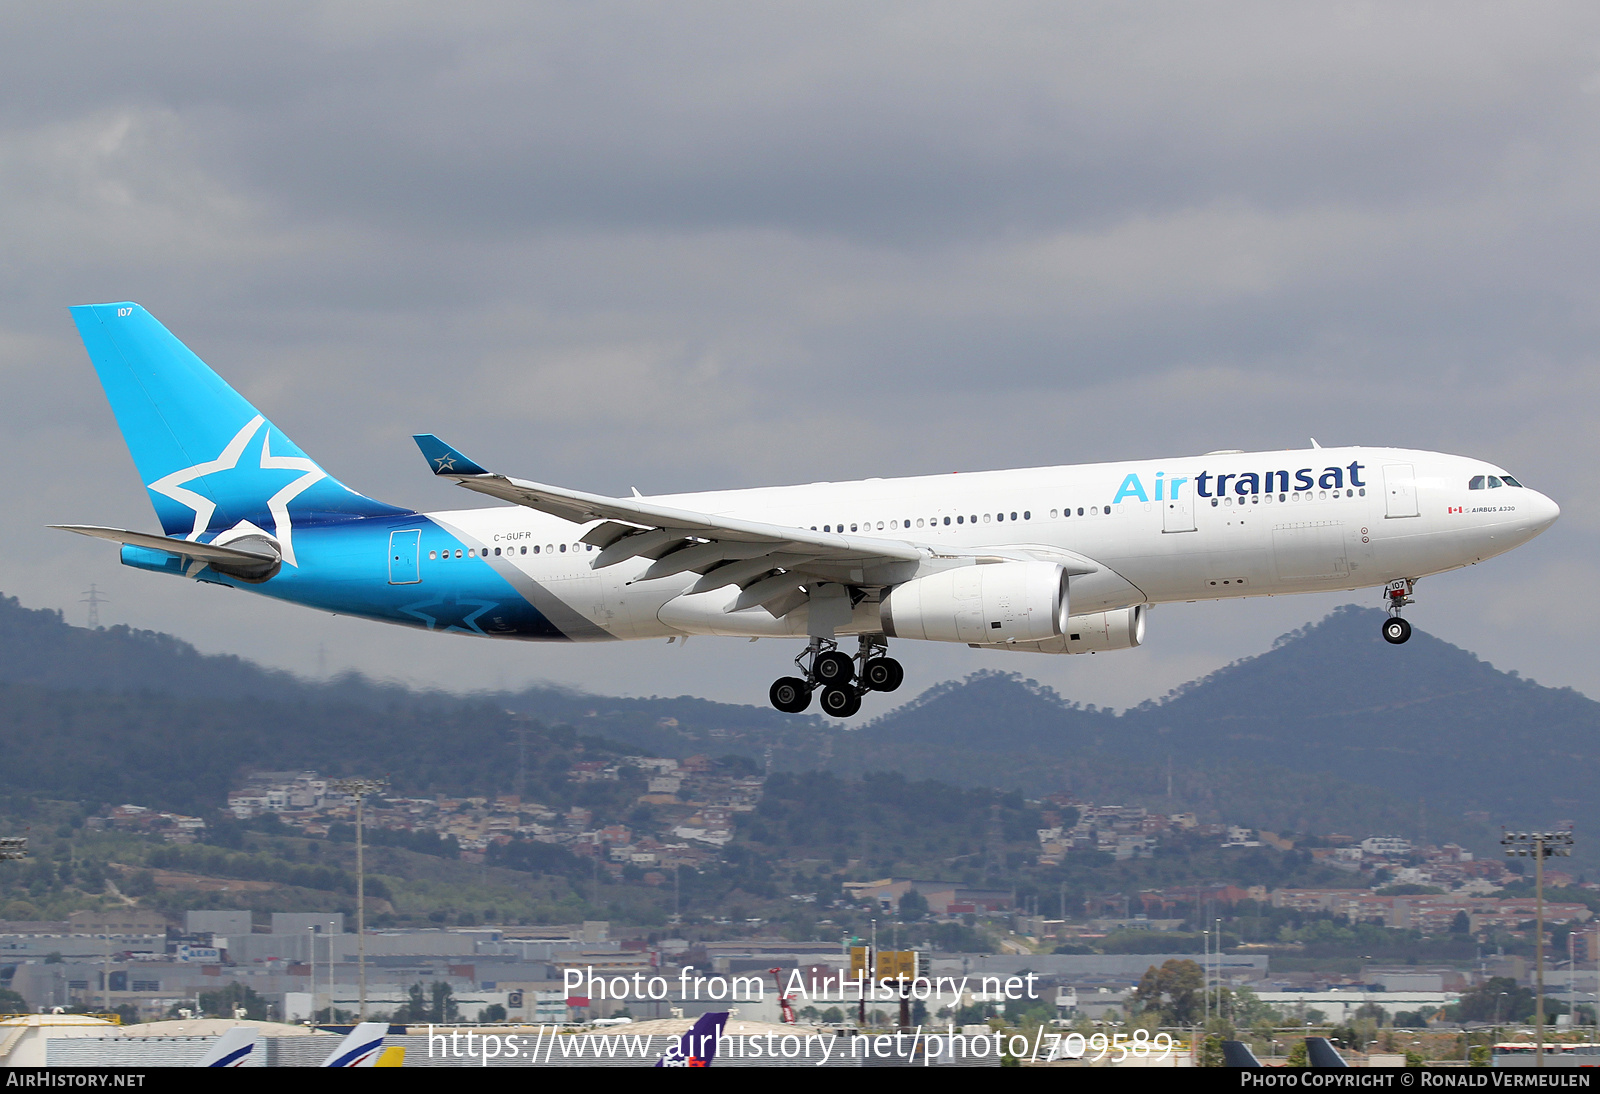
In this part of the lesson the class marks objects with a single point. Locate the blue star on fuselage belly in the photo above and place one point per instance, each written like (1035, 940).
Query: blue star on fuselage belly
(452, 614)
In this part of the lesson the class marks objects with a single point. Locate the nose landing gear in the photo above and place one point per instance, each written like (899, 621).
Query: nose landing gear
(1397, 594)
(842, 678)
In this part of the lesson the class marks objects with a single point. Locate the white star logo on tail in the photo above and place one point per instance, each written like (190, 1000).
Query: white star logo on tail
(278, 505)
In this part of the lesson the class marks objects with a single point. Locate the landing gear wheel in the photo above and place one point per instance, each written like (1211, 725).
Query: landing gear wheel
(1396, 630)
(883, 674)
(833, 669)
(840, 702)
(790, 695)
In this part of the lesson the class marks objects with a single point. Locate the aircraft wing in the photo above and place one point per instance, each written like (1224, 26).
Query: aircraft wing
(725, 550)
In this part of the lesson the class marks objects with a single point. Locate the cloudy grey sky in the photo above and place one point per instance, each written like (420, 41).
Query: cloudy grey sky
(683, 246)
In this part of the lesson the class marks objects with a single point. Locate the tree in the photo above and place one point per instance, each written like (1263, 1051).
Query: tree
(494, 1012)
(1497, 999)
(1174, 989)
(221, 1003)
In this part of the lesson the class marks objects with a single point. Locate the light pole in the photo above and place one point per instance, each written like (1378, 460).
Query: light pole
(359, 789)
(1540, 845)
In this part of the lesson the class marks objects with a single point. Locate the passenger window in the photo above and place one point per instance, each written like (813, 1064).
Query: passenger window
(433, 555)
(947, 520)
(563, 548)
(1213, 505)
(986, 518)
(1475, 483)
(852, 527)
(524, 550)
(1052, 514)
(1027, 515)
(497, 552)
(919, 522)
(458, 552)
(549, 548)
(880, 525)
(1014, 516)
(1080, 510)
(960, 519)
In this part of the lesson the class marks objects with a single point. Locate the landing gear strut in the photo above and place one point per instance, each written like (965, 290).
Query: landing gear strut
(842, 678)
(1398, 595)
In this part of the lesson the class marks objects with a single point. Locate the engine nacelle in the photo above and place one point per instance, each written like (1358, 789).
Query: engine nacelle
(993, 603)
(1092, 632)
(1097, 632)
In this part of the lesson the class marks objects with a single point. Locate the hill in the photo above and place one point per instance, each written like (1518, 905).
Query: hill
(1329, 729)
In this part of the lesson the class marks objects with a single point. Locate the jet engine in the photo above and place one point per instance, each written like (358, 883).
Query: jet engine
(986, 603)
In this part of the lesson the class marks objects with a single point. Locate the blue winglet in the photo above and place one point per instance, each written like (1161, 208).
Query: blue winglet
(445, 460)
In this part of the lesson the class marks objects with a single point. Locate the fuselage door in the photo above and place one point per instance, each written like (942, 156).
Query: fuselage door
(1177, 514)
(1399, 490)
(404, 548)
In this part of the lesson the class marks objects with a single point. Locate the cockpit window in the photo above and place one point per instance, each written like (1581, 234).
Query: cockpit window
(1476, 483)
(1509, 481)
(1494, 483)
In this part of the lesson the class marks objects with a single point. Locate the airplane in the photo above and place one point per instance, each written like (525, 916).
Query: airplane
(1321, 1053)
(1054, 560)
(236, 1047)
(361, 1047)
(697, 1045)
(1238, 1054)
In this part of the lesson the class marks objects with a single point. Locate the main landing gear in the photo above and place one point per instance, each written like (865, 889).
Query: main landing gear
(1397, 594)
(842, 678)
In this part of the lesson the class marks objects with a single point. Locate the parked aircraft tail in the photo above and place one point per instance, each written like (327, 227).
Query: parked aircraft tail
(360, 1047)
(697, 1047)
(1321, 1053)
(1238, 1054)
(211, 462)
(236, 1047)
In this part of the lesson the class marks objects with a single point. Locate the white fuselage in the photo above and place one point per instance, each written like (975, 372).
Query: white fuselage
(1153, 532)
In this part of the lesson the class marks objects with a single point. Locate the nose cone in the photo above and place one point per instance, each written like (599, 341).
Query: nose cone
(1542, 513)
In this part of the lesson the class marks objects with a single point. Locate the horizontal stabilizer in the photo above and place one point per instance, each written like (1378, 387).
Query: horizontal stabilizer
(205, 552)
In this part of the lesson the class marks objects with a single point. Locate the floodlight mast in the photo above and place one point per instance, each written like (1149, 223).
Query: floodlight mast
(1539, 845)
(358, 789)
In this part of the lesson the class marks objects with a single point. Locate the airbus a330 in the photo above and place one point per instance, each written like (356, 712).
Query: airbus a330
(1043, 560)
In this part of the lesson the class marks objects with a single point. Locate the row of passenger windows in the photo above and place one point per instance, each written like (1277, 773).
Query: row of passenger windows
(1322, 495)
(1491, 482)
(931, 522)
(1093, 510)
(549, 549)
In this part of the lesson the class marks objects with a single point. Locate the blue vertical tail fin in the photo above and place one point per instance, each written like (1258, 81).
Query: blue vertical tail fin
(210, 461)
